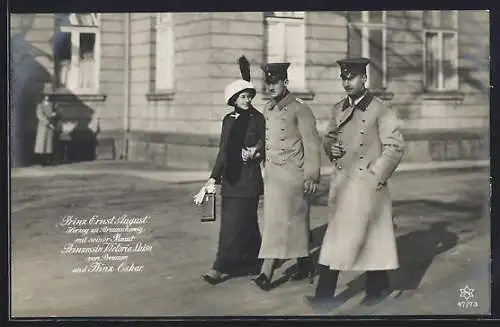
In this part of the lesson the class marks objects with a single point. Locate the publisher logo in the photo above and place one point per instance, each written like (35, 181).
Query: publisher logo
(468, 298)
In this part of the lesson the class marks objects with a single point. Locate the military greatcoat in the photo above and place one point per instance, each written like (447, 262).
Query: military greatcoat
(360, 233)
(44, 134)
(293, 151)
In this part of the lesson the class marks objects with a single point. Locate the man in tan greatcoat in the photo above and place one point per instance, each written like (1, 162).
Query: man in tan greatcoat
(45, 133)
(364, 143)
(292, 171)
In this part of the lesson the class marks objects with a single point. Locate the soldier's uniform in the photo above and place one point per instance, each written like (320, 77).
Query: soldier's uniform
(46, 133)
(360, 233)
(293, 150)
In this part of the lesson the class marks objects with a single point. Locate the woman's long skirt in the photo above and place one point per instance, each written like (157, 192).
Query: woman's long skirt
(239, 236)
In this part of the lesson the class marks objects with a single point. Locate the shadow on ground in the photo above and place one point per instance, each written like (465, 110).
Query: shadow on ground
(417, 250)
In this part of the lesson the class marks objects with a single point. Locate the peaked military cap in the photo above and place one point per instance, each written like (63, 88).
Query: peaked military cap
(351, 67)
(275, 71)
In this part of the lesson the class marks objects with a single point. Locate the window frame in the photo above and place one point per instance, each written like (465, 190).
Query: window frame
(440, 32)
(365, 26)
(75, 31)
(284, 20)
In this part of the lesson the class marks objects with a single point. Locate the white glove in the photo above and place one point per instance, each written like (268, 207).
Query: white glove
(248, 153)
(209, 187)
(199, 197)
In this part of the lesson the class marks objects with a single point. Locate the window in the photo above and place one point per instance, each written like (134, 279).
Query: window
(286, 43)
(77, 52)
(440, 49)
(164, 52)
(367, 38)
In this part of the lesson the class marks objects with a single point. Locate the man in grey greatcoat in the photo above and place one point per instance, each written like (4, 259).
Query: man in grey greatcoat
(365, 145)
(292, 171)
(46, 133)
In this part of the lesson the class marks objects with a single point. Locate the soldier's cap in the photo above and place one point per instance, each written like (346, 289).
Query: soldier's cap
(276, 71)
(351, 67)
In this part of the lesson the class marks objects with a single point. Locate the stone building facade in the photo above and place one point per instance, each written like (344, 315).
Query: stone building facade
(153, 82)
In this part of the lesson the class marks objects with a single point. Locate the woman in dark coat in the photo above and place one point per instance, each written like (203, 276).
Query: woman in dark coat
(237, 168)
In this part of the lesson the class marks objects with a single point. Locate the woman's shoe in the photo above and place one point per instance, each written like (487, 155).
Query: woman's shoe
(263, 282)
(214, 279)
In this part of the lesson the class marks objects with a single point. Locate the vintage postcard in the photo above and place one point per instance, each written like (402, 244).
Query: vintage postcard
(314, 163)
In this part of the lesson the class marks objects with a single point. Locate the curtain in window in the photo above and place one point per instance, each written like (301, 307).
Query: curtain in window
(450, 53)
(432, 60)
(87, 64)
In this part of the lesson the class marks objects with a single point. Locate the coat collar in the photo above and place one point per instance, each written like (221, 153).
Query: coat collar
(251, 111)
(282, 103)
(347, 109)
(361, 105)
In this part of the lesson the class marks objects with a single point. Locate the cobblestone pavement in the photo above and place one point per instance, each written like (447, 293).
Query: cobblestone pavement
(435, 262)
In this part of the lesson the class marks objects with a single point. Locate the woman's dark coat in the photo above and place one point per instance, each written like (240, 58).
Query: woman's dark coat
(240, 179)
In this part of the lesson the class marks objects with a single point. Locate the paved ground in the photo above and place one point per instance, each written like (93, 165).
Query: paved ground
(436, 260)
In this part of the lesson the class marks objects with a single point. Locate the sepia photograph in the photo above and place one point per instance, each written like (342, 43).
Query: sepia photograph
(249, 164)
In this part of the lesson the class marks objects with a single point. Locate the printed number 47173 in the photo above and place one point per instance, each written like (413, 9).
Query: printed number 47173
(467, 304)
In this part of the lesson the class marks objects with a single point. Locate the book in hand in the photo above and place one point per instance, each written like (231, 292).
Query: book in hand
(208, 208)
(206, 202)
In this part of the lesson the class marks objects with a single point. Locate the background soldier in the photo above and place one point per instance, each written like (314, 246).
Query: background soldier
(292, 171)
(46, 129)
(365, 144)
